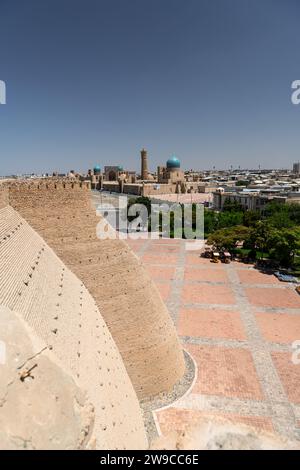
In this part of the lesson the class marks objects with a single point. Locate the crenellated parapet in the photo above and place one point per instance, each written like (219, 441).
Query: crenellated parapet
(49, 183)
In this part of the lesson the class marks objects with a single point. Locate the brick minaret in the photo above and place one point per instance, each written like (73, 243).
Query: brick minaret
(144, 165)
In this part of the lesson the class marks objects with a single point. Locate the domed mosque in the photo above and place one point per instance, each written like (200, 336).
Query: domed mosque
(97, 170)
(172, 175)
(169, 178)
(173, 163)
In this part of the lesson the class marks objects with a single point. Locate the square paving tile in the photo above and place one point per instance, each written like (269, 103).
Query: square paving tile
(210, 323)
(208, 274)
(160, 259)
(228, 372)
(271, 297)
(160, 272)
(166, 241)
(289, 374)
(164, 249)
(196, 260)
(207, 294)
(256, 277)
(279, 327)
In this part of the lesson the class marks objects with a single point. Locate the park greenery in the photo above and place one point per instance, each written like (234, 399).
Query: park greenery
(273, 234)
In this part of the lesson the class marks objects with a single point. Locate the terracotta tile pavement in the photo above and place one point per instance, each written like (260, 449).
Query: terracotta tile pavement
(166, 249)
(279, 327)
(208, 274)
(289, 374)
(210, 323)
(270, 297)
(255, 277)
(207, 294)
(166, 241)
(182, 418)
(242, 376)
(160, 273)
(194, 260)
(226, 372)
(165, 259)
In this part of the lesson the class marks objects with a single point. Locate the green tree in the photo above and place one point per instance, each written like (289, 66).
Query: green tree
(210, 221)
(281, 215)
(260, 237)
(145, 201)
(229, 219)
(294, 212)
(227, 238)
(251, 217)
(284, 244)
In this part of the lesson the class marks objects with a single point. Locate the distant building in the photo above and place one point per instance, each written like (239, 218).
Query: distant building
(253, 200)
(296, 168)
(111, 173)
(171, 173)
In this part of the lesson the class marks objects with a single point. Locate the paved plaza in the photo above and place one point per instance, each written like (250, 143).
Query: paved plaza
(238, 324)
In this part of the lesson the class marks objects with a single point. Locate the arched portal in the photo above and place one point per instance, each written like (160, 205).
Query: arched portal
(112, 176)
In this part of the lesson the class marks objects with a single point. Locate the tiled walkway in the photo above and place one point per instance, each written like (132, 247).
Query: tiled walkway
(239, 325)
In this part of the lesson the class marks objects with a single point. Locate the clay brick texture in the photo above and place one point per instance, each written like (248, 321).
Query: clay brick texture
(124, 292)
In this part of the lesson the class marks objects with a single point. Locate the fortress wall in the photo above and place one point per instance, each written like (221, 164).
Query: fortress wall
(161, 188)
(3, 196)
(56, 304)
(111, 186)
(30, 417)
(132, 189)
(128, 299)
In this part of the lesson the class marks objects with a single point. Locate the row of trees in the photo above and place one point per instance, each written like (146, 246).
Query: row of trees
(275, 233)
(261, 239)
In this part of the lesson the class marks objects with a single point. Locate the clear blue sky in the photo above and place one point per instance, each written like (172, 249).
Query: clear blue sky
(93, 81)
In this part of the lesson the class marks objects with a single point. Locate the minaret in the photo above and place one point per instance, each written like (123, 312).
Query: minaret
(144, 165)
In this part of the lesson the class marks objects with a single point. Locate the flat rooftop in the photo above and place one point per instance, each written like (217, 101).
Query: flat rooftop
(239, 325)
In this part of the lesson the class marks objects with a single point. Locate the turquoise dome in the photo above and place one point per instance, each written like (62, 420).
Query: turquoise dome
(173, 162)
(120, 168)
(97, 169)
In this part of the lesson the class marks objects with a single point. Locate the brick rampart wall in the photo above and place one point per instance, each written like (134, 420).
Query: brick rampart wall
(126, 296)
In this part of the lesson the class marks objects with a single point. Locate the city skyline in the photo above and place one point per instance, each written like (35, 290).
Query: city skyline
(94, 82)
(136, 169)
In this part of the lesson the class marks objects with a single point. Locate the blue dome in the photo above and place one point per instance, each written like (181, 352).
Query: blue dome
(97, 169)
(173, 162)
(120, 168)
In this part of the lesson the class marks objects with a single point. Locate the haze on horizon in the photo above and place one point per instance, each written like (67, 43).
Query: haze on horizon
(94, 81)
